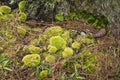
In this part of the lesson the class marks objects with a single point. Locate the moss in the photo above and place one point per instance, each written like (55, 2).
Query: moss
(21, 31)
(33, 49)
(84, 40)
(42, 38)
(58, 42)
(52, 49)
(21, 6)
(53, 31)
(50, 59)
(67, 52)
(66, 35)
(22, 17)
(35, 42)
(76, 45)
(1, 49)
(5, 9)
(31, 60)
(43, 74)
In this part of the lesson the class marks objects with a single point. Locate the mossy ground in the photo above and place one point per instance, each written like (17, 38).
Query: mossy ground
(13, 44)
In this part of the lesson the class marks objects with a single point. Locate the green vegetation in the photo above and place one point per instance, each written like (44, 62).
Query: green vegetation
(22, 17)
(43, 74)
(67, 52)
(53, 31)
(31, 60)
(52, 49)
(55, 52)
(33, 49)
(21, 6)
(98, 21)
(58, 42)
(50, 59)
(5, 10)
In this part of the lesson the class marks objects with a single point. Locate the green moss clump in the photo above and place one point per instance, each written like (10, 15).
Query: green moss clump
(5, 9)
(33, 49)
(67, 52)
(53, 31)
(50, 59)
(31, 60)
(76, 45)
(22, 17)
(42, 38)
(84, 40)
(34, 42)
(58, 42)
(43, 74)
(52, 49)
(66, 35)
(21, 31)
(21, 6)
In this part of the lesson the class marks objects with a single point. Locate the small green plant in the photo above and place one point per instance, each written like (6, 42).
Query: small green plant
(5, 10)
(84, 40)
(31, 60)
(4, 62)
(53, 31)
(21, 31)
(43, 74)
(58, 42)
(52, 49)
(33, 49)
(21, 6)
(76, 45)
(59, 17)
(66, 35)
(22, 17)
(35, 42)
(67, 52)
(50, 58)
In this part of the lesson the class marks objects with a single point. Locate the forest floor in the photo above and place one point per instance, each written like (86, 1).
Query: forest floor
(12, 45)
